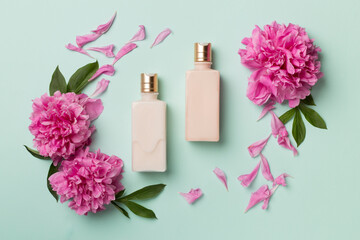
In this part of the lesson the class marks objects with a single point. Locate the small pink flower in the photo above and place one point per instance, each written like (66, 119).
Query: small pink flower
(61, 123)
(89, 180)
(285, 64)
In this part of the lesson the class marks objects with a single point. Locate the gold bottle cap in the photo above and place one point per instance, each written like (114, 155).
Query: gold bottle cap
(149, 83)
(202, 52)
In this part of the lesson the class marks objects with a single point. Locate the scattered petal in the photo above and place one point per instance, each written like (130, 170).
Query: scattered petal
(266, 201)
(101, 29)
(279, 131)
(161, 37)
(266, 109)
(124, 50)
(107, 50)
(260, 195)
(100, 87)
(221, 175)
(192, 196)
(106, 69)
(77, 49)
(247, 179)
(280, 180)
(140, 35)
(256, 148)
(265, 169)
(82, 40)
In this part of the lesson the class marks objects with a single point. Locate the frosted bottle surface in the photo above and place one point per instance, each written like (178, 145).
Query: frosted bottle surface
(149, 133)
(202, 100)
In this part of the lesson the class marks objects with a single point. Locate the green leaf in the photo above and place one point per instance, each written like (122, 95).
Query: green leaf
(313, 117)
(123, 211)
(144, 193)
(36, 153)
(298, 128)
(57, 83)
(309, 101)
(80, 78)
(53, 169)
(119, 194)
(287, 116)
(140, 210)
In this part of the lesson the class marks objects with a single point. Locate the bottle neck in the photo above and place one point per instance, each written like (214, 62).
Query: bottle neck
(149, 96)
(202, 65)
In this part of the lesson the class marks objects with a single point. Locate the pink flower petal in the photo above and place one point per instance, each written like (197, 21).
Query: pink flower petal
(124, 50)
(265, 169)
(192, 196)
(107, 50)
(279, 131)
(100, 87)
(101, 29)
(259, 195)
(140, 35)
(77, 49)
(161, 37)
(94, 108)
(266, 109)
(266, 201)
(280, 180)
(247, 179)
(221, 175)
(82, 40)
(257, 147)
(106, 69)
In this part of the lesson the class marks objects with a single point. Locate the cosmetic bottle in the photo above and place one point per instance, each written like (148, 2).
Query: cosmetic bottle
(202, 97)
(149, 128)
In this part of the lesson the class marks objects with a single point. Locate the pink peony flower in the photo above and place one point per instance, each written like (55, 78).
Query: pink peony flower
(61, 123)
(285, 64)
(89, 179)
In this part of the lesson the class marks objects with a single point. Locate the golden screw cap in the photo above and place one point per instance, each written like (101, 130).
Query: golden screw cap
(202, 52)
(149, 83)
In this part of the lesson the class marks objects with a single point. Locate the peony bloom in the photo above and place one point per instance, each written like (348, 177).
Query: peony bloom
(89, 179)
(61, 123)
(285, 64)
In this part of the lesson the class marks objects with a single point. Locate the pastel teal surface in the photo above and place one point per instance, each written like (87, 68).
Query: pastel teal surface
(321, 202)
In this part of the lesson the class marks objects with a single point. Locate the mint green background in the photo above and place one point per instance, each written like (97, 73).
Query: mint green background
(321, 202)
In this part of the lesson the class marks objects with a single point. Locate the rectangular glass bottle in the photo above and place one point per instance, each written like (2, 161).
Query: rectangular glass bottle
(149, 128)
(202, 98)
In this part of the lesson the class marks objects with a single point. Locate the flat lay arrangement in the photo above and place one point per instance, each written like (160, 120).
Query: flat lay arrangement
(179, 120)
(285, 66)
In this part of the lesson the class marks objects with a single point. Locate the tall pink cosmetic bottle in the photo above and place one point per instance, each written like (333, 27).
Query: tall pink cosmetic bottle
(149, 128)
(202, 98)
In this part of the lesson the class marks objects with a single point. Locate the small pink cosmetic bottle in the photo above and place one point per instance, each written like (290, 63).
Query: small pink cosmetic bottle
(202, 98)
(149, 128)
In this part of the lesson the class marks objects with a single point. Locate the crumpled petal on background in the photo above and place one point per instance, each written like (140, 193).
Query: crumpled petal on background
(106, 69)
(256, 148)
(124, 50)
(266, 109)
(140, 35)
(100, 87)
(247, 179)
(103, 28)
(266, 201)
(82, 40)
(265, 168)
(192, 196)
(221, 175)
(77, 49)
(161, 37)
(258, 196)
(280, 180)
(106, 50)
(279, 131)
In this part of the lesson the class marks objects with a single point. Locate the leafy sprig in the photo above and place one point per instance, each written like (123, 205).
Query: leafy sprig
(298, 126)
